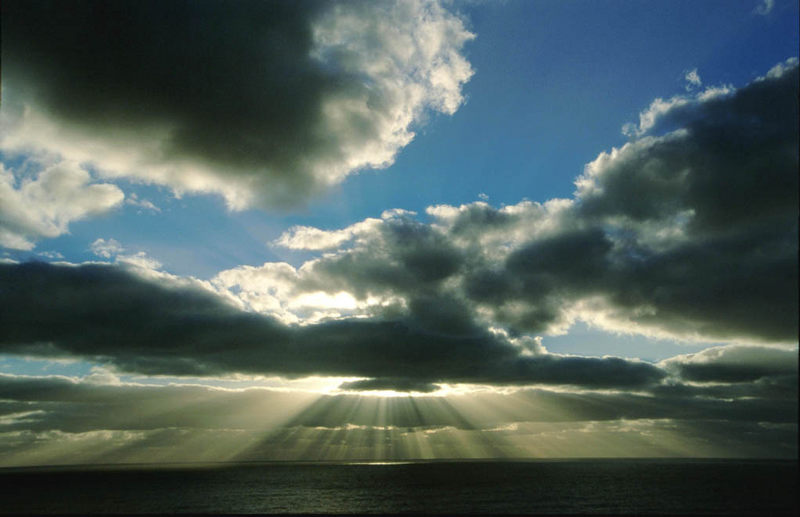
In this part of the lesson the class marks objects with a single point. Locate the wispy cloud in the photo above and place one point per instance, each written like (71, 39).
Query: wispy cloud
(764, 7)
(106, 248)
(693, 80)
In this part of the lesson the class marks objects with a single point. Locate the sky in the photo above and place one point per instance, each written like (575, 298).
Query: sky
(397, 230)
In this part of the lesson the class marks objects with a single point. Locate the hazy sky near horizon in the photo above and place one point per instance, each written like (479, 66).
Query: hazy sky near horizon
(397, 230)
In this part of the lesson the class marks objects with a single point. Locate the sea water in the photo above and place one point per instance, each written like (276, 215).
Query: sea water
(550, 487)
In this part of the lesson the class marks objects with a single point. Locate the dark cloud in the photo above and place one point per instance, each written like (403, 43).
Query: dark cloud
(642, 248)
(394, 384)
(589, 372)
(263, 102)
(105, 313)
(67, 405)
(234, 78)
(733, 164)
(401, 255)
(51, 403)
(775, 387)
(726, 286)
(727, 372)
(690, 234)
(546, 273)
(736, 364)
(729, 183)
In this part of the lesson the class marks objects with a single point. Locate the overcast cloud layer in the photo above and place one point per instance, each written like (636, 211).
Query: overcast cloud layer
(264, 103)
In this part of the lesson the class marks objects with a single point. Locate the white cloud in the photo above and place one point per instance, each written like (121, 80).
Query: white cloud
(409, 54)
(781, 68)
(660, 108)
(763, 356)
(32, 208)
(693, 80)
(50, 254)
(145, 204)
(648, 118)
(309, 238)
(140, 259)
(102, 375)
(106, 248)
(764, 7)
(266, 289)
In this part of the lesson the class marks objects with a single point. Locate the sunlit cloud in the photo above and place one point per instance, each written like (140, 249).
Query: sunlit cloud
(44, 205)
(354, 80)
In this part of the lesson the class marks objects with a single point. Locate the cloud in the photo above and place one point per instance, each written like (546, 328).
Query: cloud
(71, 405)
(92, 404)
(734, 363)
(704, 218)
(270, 103)
(106, 248)
(392, 384)
(55, 419)
(96, 312)
(112, 248)
(133, 200)
(309, 238)
(688, 234)
(50, 255)
(692, 80)
(44, 204)
(764, 7)
(140, 259)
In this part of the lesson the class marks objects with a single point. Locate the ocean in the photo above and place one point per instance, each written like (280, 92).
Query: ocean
(762, 487)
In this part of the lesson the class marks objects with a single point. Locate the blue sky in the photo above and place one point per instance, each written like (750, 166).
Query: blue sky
(534, 91)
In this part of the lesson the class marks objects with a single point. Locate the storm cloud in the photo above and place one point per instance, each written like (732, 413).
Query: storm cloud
(265, 103)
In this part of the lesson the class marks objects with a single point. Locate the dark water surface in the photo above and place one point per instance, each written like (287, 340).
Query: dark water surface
(551, 487)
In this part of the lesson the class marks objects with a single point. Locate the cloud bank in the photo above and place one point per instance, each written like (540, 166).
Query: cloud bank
(96, 312)
(264, 103)
(55, 420)
(688, 234)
